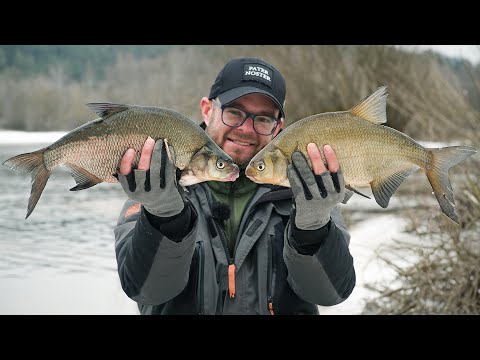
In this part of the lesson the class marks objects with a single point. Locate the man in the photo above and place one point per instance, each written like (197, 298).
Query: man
(235, 247)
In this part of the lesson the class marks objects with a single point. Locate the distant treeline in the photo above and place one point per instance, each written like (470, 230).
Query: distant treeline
(76, 60)
(430, 97)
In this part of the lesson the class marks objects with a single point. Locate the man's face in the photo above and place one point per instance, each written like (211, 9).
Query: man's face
(242, 142)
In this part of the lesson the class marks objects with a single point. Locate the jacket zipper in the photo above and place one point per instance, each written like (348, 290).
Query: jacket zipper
(223, 239)
(231, 266)
(271, 276)
(231, 220)
(200, 280)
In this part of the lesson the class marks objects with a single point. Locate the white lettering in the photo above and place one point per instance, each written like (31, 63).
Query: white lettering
(258, 74)
(258, 68)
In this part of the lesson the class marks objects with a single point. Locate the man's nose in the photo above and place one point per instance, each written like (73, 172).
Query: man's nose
(247, 126)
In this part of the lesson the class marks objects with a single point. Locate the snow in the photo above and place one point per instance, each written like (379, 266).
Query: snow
(24, 137)
(367, 237)
(49, 292)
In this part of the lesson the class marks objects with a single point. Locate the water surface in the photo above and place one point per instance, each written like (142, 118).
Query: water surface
(62, 258)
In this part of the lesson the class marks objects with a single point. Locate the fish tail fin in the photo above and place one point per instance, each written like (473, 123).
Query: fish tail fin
(437, 173)
(34, 164)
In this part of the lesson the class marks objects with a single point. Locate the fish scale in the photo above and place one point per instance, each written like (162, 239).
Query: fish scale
(93, 152)
(369, 154)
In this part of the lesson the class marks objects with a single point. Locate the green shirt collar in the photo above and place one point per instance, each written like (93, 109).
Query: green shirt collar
(241, 186)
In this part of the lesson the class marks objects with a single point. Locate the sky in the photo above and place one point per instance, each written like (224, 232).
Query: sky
(469, 52)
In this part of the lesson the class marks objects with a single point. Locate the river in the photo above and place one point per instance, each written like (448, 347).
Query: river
(61, 260)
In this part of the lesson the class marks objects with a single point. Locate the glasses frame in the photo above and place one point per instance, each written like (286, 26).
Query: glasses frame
(248, 115)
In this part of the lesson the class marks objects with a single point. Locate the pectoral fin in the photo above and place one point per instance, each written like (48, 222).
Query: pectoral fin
(348, 195)
(353, 190)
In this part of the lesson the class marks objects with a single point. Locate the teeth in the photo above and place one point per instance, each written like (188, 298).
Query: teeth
(240, 142)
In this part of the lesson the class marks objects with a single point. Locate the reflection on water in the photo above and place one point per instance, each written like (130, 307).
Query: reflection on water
(69, 232)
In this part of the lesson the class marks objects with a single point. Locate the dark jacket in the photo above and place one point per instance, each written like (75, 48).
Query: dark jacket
(181, 265)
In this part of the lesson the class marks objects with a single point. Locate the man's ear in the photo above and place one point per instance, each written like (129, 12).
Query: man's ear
(279, 127)
(206, 107)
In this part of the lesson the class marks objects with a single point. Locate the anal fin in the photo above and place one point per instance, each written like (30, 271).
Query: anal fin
(384, 188)
(83, 178)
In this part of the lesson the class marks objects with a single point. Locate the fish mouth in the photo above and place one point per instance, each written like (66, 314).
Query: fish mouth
(233, 176)
(249, 173)
(234, 173)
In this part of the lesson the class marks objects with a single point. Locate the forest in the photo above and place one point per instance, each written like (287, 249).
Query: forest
(47, 87)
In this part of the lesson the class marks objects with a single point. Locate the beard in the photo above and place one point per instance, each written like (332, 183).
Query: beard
(238, 156)
(240, 159)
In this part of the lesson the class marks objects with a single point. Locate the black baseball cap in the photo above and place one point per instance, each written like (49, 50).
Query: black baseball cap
(244, 76)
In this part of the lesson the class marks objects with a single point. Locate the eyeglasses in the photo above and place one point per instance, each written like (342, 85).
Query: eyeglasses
(233, 117)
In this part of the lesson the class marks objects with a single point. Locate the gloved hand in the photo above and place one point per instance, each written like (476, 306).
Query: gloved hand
(157, 188)
(315, 196)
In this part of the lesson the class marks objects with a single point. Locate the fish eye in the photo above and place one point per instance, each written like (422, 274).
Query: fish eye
(220, 164)
(260, 166)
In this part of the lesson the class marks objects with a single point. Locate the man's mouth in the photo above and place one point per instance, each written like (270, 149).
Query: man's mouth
(240, 142)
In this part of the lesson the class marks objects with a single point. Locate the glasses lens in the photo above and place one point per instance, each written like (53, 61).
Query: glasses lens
(264, 124)
(233, 116)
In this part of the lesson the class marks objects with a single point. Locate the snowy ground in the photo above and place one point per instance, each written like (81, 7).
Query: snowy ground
(23, 137)
(46, 292)
(366, 238)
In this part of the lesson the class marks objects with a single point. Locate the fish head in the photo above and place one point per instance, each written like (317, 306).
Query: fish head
(209, 164)
(268, 167)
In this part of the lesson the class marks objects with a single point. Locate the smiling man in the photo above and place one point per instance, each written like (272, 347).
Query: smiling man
(235, 247)
(245, 87)
(239, 141)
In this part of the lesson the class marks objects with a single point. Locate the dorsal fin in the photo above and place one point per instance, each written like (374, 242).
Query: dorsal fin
(373, 107)
(104, 110)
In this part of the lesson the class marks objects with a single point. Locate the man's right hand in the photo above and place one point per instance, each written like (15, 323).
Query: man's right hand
(316, 191)
(154, 183)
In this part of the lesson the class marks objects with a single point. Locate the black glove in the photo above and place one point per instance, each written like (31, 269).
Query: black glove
(156, 189)
(315, 196)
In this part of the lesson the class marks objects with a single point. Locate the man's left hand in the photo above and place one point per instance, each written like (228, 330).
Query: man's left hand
(317, 192)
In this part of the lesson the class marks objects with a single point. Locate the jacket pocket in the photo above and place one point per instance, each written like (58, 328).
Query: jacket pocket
(271, 275)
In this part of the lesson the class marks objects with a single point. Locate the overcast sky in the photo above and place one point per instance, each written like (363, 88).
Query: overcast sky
(470, 52)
